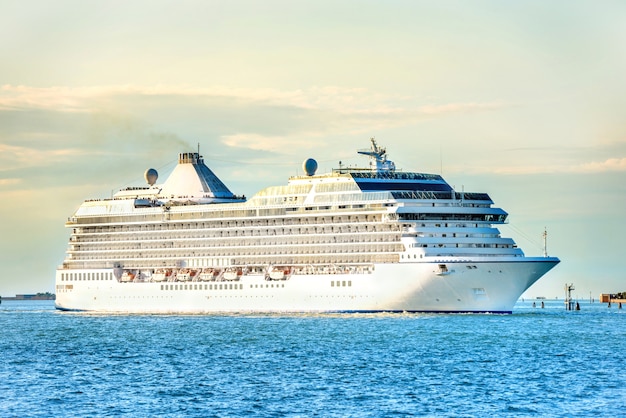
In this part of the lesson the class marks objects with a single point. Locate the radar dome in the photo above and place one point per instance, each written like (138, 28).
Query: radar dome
(309, 166)
(151, 176)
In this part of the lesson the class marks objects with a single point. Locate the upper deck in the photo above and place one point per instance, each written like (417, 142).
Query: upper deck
(193, 188)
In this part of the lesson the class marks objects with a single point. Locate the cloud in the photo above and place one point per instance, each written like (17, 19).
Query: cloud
(612, 164)
(553, 167)
(12, 156)
(65, 99)
(9, 182)
(354, 101)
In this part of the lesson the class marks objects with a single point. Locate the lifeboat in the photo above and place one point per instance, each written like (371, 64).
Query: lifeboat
(127, 276)
(186, 275)
(209, 275)
(233, 274)
(160, 275)
(279, 273)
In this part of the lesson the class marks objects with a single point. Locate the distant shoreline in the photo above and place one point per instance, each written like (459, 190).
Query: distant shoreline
(38, 296)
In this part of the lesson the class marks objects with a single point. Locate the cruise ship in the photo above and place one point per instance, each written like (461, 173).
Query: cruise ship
(371, 239)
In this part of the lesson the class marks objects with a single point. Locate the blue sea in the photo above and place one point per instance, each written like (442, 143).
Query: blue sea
(535, 362)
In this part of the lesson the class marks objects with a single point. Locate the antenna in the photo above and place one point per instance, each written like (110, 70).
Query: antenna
(378, 158)
(545, 242)
(440, 161)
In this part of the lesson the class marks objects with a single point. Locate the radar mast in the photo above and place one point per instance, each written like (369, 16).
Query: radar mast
(378, 158)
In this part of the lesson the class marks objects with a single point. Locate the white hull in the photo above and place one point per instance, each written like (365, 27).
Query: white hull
(414, 287)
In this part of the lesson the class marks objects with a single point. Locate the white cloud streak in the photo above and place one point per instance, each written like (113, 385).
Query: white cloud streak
(593, 167)
(9, 182)
(12, 157)
(344, 100)
(612, 164)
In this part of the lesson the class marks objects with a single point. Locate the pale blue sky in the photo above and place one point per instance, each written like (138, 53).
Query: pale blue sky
(523, 100)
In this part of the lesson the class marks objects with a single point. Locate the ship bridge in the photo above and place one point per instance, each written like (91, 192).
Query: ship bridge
(369, 181)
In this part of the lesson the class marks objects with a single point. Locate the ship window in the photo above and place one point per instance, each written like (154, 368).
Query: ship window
(161, 287)
(332, 283)
(343, 283)
(350, 283)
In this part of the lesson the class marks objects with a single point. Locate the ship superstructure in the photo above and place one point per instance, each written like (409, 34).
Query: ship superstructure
(372, 239)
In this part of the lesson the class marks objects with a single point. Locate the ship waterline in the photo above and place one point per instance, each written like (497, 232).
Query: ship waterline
(372, 239)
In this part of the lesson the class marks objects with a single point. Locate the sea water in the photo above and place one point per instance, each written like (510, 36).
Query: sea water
(534, 362)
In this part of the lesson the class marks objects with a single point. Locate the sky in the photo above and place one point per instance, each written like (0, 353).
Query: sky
(525, 101)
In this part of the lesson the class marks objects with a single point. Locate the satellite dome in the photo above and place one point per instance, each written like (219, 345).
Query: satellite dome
(151, 176)
(309, 166)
